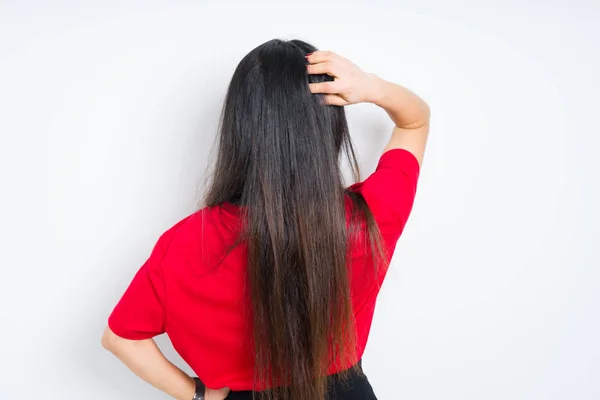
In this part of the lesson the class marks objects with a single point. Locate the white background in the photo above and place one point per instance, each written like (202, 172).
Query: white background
(108, 110)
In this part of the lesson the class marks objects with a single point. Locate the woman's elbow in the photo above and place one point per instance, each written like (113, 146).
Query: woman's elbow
(109, 340)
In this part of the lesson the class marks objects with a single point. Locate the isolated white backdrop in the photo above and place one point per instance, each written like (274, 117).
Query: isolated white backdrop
(108, 111)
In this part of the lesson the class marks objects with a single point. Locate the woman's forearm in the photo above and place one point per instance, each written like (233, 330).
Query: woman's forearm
(405, 108)
(145, 359)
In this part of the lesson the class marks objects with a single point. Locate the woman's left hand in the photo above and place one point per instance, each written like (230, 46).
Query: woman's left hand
(217, 394)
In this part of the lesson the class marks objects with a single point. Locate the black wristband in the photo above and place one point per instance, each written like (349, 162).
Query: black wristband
(200, 389)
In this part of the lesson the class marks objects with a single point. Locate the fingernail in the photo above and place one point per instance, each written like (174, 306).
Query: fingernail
(307, 55)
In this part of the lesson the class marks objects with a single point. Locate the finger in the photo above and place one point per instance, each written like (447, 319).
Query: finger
(321, 56)
(326, 67)
(334, 100)
(324, 87)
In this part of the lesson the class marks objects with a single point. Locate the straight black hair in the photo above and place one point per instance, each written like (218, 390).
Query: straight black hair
(278, 159)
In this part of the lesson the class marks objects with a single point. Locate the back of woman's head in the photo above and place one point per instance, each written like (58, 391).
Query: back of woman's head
(274, 129)
(278, 158)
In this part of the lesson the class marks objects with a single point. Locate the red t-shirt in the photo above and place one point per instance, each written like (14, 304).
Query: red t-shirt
(205, 309)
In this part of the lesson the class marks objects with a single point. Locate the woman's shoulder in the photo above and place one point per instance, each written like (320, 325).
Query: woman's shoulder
(199, 236)
(190, 227)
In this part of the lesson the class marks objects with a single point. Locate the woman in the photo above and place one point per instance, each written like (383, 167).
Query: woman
(269, 289)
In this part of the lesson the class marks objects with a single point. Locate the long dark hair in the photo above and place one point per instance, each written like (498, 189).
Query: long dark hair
(278, 158)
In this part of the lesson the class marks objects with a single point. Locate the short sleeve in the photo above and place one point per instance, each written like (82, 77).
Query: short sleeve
(391, 189)
(140, 313)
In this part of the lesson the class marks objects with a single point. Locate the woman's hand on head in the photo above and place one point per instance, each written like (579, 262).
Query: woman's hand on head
(351, 84)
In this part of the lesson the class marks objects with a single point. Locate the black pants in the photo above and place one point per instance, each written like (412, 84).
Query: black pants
(356, 387)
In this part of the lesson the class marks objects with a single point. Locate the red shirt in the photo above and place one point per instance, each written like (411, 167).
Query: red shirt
(205, 310)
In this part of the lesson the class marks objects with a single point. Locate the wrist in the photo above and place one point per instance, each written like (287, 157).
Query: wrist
(375, 89)
(200, 391)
